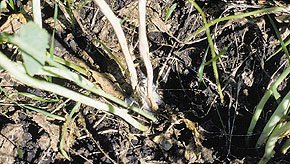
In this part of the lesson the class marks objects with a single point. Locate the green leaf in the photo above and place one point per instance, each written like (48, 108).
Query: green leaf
(201, 68)
(20, 153)
(48, 114)
(37, 98)
(31, 65)
(11, 4)
(32, 42)
(169, 11)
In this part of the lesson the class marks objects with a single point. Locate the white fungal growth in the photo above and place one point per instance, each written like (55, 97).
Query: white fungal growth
(142, 93)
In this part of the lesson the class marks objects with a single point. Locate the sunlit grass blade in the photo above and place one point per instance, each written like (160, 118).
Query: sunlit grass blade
(269, 149)
(280, 49)
(169, 11)
(51, 50)
(258, 111)
(11, 4)
(279, 37)
(48, 114)
(37, 12)
(3, 5)
(113, 19)
(58, 68)
(79, 69)
(279, 113)
(272, 90)
(43, 112)
(86, 84)
(286, 146)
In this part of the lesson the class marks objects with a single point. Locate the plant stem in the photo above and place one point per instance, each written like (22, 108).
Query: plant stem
(37, 12)
(144, 52)
(211, 45)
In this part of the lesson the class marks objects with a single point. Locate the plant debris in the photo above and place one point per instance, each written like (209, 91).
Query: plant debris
(193, 126)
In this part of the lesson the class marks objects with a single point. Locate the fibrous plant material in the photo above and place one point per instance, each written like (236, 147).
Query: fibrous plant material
(14, 70)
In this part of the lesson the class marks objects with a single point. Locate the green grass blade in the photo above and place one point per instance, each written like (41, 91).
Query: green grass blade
(86, 84)
(258, 111)
(51, 50)
(122, 66)
(212, 50)
(279, 80)
(269, 149)
(64, 130)
(271, 91)
(35, 109)
(71, 65)
(280, 49)
(238, 16)
(279, 113)
(169, 11)
(285, 146)
(11, 4)
(43, 112)
(279, 37)
(201, 68)
(221, 53)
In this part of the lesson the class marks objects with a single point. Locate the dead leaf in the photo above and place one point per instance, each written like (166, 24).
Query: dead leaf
(51, 129)
(164, 142)
(190, 152)
(13, 23)
(107, 85)
(193, 127)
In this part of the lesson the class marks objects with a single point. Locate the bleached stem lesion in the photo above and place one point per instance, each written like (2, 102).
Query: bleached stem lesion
(144, 53)
(143, 49)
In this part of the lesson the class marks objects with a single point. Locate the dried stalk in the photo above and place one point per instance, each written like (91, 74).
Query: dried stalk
(115, 22)
(144, 52)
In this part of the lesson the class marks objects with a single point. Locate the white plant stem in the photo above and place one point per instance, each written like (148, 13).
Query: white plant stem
(115, 22)
(144, 52)
(37, 12)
